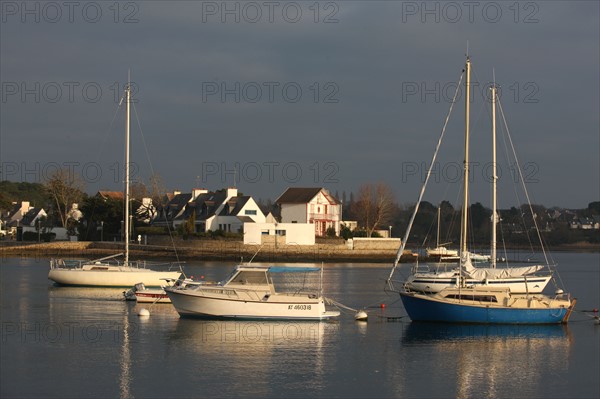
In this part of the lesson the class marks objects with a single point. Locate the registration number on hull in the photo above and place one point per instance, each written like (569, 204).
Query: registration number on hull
(299, 307)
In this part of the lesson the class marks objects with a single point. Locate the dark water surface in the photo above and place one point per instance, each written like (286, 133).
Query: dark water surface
(86, 342)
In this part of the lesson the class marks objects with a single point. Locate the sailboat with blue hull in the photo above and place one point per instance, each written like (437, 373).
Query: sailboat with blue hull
(487, 305)
(465, 301)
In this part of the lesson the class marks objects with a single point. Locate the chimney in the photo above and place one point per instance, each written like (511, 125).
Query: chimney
(25, 207)
(197, 191)
(231, 192)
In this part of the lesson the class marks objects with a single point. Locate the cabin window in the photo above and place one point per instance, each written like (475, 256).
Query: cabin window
(480, 298)
(250, 277)
(250, 212)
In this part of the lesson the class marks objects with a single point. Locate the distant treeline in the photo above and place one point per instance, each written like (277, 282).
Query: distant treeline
(102, 217)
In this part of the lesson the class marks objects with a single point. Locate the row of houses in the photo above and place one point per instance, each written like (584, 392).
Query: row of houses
(25, 217)
(300, 214)
(585, 223)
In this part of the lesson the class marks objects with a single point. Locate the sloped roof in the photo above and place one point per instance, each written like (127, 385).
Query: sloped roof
(16, 208)
(237, 203)
(298, 195)
(114, 195)
(205, 205)
(30, 216)
(303, 195)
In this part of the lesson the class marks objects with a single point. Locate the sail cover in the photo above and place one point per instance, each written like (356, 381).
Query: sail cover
(481, 273)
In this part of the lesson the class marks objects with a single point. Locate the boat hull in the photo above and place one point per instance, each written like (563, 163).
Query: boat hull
(426, 308)
(432, 284)
(275, 307)
(112, 277)
(152, 296)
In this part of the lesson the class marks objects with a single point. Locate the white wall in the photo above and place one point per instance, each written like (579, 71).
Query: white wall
(293, 212)
(295, 233)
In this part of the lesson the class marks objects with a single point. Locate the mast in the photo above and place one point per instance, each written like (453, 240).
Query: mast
(127, 127)
(464, 222)
(494, 179)
(437, 242)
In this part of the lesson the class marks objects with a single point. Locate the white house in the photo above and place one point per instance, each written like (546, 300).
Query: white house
(19, 211)
(219, 210)
(32, 216)
(314, 205)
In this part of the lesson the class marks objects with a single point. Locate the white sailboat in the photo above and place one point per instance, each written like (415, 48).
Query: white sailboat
(475, 300)
(108, 272)
(440, 252)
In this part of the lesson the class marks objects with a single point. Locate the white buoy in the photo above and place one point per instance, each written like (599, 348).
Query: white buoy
(144, 312)
(361, 315)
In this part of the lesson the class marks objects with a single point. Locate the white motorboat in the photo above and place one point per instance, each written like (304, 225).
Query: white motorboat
(141, 294)
(254, 292)
(107, 272)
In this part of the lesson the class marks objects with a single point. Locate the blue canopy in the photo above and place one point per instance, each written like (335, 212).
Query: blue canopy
(283, 269)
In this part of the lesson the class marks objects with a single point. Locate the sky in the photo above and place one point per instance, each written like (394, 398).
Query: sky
(336, 94)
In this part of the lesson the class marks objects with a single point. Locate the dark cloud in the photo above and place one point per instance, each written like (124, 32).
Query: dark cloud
(356, 119)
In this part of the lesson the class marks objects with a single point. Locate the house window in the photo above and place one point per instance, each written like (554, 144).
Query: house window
(250, 212)
(280, 232)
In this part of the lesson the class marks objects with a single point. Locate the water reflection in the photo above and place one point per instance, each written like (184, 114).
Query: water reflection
(260, 349)
(415, 333)
(486, 359)
(125, 361)
(92, 293)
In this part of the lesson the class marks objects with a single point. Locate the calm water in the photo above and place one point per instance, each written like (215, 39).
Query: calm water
(85, 342)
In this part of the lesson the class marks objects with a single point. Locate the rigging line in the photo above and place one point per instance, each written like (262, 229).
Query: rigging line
(514, 186)
(154, 176)
(143, 139)
(523, 185)
(523, 182)
(412, 218)
(110, 127)
(426, 238)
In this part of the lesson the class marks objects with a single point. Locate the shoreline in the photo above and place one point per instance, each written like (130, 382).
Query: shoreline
(236, 251)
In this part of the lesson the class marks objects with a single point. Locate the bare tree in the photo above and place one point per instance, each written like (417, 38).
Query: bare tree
(66, 188)
(157, 189)
(374, 206)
